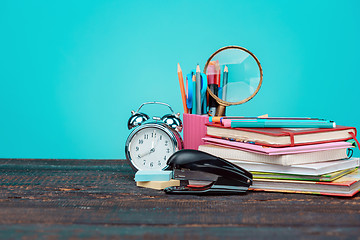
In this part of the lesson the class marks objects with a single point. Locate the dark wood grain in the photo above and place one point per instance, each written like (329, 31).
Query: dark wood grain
(58, 199)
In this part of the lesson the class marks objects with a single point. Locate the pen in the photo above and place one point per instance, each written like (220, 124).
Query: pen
(194, 110)
(213, 86)
(198, 90)
(182, 90)
(221, 119)
(218, 73)
(265, 123)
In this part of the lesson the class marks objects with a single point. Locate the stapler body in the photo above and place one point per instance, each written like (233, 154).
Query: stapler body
(202, 173)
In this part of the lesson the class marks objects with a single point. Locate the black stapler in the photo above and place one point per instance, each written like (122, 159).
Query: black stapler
(202, 173)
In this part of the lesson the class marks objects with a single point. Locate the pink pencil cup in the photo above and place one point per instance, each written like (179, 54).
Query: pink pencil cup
(194, 130)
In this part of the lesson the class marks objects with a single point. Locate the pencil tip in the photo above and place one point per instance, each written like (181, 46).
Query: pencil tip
(198, 68)
(179, 68)
(226, 69)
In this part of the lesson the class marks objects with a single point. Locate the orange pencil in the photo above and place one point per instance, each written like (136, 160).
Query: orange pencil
(182, 89)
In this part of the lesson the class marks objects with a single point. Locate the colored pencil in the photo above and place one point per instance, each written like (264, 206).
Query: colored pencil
(198, 90)
(182, 89)
(225, 82)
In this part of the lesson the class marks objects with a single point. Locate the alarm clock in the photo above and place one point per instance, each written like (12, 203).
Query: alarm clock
(153, 141)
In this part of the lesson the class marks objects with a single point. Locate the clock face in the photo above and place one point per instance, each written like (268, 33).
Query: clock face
(150, 148)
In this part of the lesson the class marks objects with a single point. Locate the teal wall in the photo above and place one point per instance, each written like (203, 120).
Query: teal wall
(71, 71)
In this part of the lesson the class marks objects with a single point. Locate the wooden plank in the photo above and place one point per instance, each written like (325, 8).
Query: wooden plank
(95, 197)
(74, 231)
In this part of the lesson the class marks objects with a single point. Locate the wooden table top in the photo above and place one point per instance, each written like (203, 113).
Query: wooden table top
(60, 199)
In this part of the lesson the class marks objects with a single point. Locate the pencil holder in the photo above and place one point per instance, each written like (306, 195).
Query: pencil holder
(194, 130)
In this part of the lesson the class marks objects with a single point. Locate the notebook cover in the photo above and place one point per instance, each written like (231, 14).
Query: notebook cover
(312, 169)
(284, 159)
(276, 151)
(321, 178)
(350, 194)
(286, 131)
(280, 132)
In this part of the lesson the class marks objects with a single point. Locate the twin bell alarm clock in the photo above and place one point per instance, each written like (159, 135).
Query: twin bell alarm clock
(152, 141)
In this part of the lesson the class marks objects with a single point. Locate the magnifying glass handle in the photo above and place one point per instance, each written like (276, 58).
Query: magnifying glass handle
(220, 110)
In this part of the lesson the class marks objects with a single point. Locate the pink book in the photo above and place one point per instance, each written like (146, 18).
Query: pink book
(276, 151)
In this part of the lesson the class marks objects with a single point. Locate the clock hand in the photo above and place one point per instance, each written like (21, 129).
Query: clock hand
(153, 144)
(152, 147)
(157, 142)
(147, 152)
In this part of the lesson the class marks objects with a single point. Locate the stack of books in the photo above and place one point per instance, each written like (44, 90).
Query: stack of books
(300, 160)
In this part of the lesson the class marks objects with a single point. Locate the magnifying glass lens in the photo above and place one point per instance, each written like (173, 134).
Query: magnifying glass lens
(234, 76)
(239, 74)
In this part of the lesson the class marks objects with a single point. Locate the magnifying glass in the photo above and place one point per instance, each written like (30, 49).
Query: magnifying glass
(234, 77)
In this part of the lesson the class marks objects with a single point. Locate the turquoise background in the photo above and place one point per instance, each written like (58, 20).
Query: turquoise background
(71, 71)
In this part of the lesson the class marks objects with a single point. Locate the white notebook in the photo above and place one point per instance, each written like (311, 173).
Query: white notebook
(314, 169)
(286, 160)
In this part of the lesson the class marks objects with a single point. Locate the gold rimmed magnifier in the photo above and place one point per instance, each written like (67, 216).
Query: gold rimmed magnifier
(234, 77)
